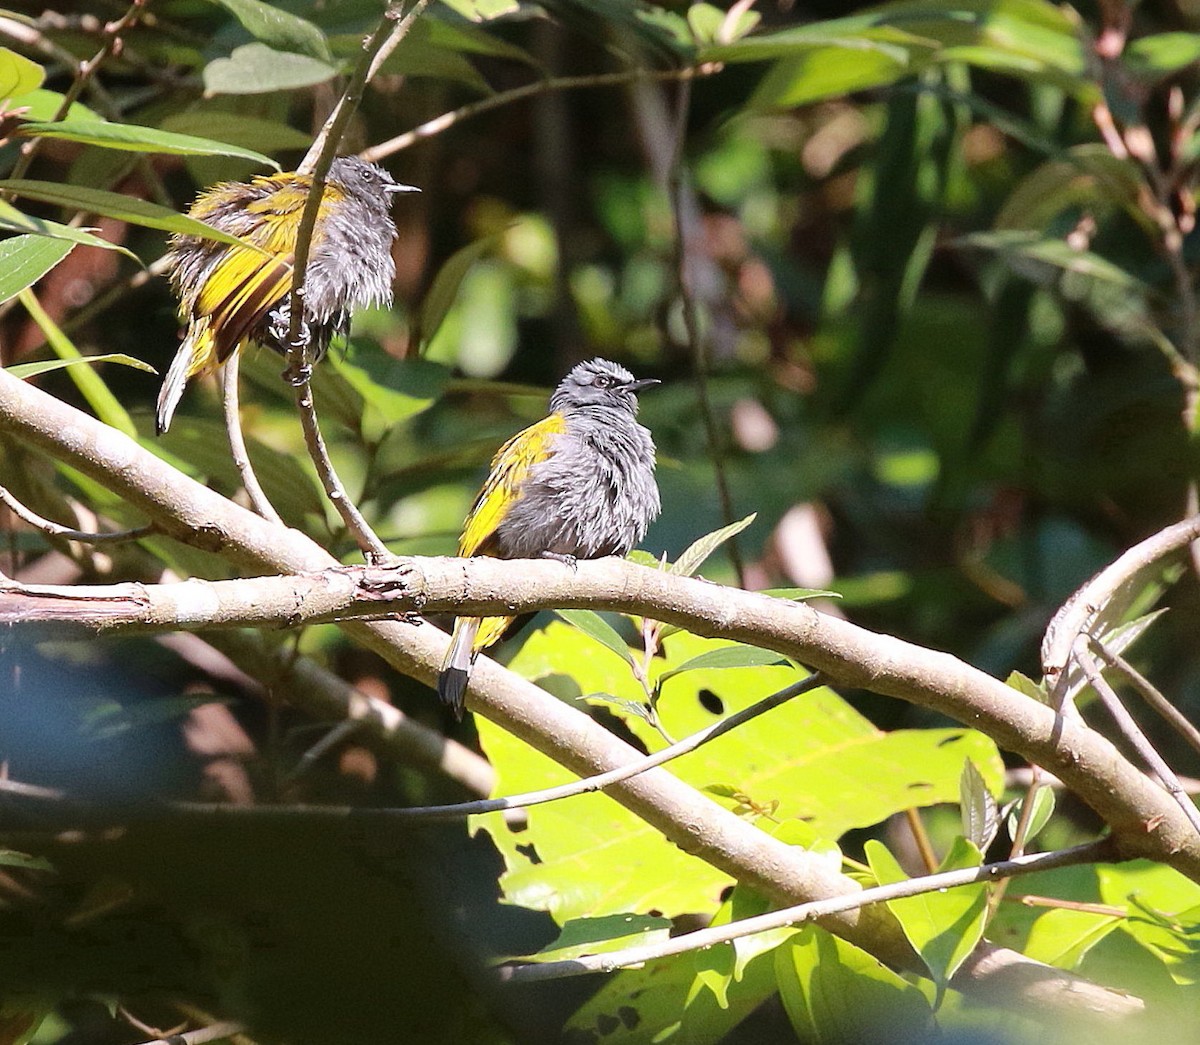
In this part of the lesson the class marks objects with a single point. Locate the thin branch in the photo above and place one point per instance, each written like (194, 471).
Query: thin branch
(600, 781)
(921, 837)
(1086, 607)
(214, 1032)
(438, 124)
(67, 533)
(1153, 697)
(368, 541)
(1133, 732)
(237, 442)
(83, 73)
(687, 246)
(317, 163)
(1090, 852)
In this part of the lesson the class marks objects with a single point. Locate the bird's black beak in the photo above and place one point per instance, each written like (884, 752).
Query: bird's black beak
(645, 382)
(400, 188)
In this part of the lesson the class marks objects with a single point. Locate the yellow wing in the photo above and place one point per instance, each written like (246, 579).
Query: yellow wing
(502, 489)
(246, 284)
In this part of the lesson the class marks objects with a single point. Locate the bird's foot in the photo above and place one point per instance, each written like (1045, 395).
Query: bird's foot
(566, 560)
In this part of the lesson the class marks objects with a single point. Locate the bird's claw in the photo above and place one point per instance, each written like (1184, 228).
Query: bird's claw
(566, 560)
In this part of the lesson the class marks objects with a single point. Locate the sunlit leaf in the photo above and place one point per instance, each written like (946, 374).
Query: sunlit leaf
(943, 926)
(1043, 809)
(980, 818)
(129, 137)
(28, 370)
(278, 28)
(444, 288)
(12, 220)
(115, 205)
(26, 259)
(591, 623)
(18, 75)
(835, 992)
(726, 657)
(698, 551)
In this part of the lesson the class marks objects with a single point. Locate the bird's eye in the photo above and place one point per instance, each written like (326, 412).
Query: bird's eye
(602, 381)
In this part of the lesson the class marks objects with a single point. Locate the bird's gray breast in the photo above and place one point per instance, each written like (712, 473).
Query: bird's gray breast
(594, 495)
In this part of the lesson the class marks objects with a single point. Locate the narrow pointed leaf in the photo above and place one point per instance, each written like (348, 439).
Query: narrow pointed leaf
(26, 259)
(27, 370)
(980, 818)
(695, 554)
(591, 623)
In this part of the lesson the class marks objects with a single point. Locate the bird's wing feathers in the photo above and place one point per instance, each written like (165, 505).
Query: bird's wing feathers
(510, 467)
(246, 286)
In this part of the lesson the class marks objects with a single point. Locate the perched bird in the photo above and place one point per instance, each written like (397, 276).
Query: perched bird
(577, 484)
(232, 295)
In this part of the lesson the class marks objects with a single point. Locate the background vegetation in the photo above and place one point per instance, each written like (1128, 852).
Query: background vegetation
(918, 282)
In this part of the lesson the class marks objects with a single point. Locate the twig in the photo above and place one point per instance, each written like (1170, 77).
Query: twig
(687, 244)
(1081, 612)
(1153, 697)
(317, 163)
(433, 127)
(1133, 732)
(1019, 836)
(921, 838)
(615, 776)
(83, 72)
(213, 1032)
(1090, 852)
(66, 533)
(237, 443)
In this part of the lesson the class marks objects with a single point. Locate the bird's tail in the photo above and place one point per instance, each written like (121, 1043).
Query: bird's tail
(196, 355)
(456, 668)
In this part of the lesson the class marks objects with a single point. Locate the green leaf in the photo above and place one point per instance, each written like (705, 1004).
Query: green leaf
(1062, 937)
(114, 205)
(28, 370)
(132, 138)
(483, 10)
(828, 72)
(800, 594)
(18, 75)
(980, 818)
(1043, 809)
(942, 926)
(613, 932)
(1163, 912)
(726, 657)
(13, 220)
(259, 69)
(834, 992)
(591, 623)
(671, 1001)
(26, 259)
(589, 856)
(695, 554)
(1162, 54)
(396, 389)
(45, 105)
(1036, 257)
(444, 288)
(238, 129)
(1088, 175)
(1024, 684)
(279, 28)
(11, 858)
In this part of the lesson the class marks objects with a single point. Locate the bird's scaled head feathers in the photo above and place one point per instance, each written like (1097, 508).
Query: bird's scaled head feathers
(598, 382)
(365, 180)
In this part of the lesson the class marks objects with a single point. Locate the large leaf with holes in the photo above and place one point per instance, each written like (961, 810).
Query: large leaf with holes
(814, 758)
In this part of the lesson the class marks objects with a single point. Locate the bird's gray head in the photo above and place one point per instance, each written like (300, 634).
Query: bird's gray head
(366, 181)
(599, 383)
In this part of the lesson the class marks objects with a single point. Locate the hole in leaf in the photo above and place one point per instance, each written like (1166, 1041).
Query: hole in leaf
(711, 703)
(530, 853)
